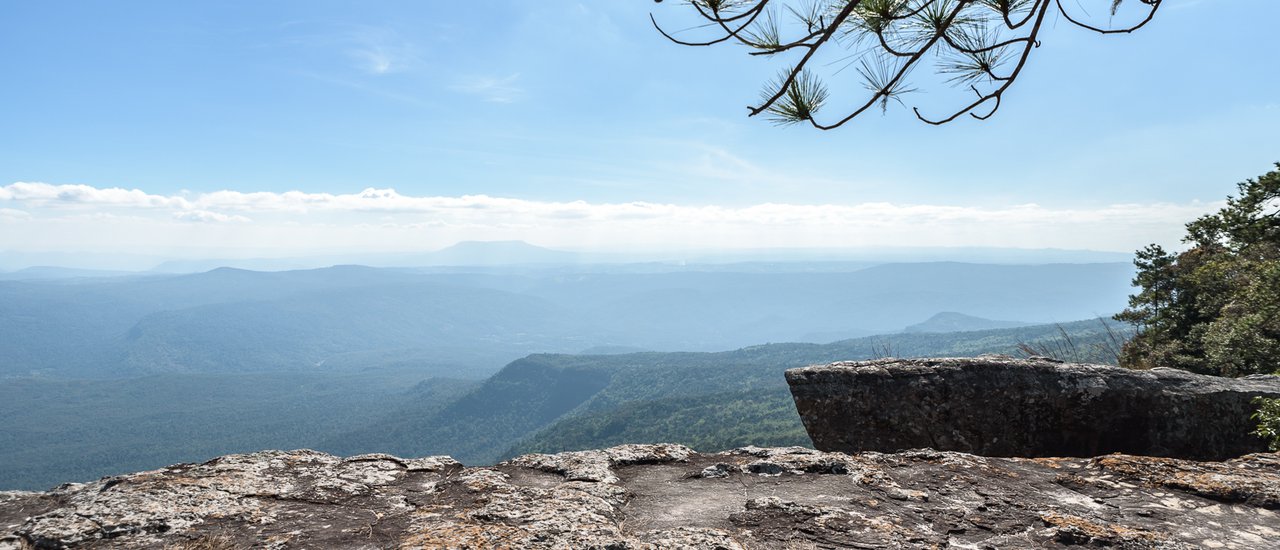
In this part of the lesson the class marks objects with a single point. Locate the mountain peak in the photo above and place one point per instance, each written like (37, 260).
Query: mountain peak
(954, 321)
(480, 253)
(493, 245)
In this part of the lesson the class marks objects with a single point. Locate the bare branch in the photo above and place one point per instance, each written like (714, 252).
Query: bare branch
(975, 41)
(1155, 5)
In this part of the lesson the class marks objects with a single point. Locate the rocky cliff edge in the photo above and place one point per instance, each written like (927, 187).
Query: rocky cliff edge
(1002, 406)
(662, 496)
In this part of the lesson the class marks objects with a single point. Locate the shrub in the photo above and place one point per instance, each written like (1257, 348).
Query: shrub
(1268, 417)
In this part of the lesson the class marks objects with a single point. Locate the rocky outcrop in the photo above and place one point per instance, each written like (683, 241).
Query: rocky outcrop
(662, 496)
(1000, 406)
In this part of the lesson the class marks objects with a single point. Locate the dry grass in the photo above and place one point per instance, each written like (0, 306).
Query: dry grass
(206, 542)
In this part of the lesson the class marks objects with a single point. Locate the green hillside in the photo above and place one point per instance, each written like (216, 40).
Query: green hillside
(710, 401)
(60, 430)
(764, 417)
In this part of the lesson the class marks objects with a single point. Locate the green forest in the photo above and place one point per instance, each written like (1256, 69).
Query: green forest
(77, 430)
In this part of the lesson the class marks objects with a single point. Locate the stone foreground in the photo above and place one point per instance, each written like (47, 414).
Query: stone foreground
(662, 496)
(1001, 406)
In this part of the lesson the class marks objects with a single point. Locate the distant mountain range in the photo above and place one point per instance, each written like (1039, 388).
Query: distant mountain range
(491, 253)
(463, 254)
(103, 373)
(466, 323)
(519, 253)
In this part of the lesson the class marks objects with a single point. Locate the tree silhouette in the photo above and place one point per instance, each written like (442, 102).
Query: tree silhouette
(980, 45)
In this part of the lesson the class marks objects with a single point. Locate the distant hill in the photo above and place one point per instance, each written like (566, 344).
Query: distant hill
(551, 403)
(490, 253)
(176, 267)
(462, 329)
(950, 321)
(462, 323)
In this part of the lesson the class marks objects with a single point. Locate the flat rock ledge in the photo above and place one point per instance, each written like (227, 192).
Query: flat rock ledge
(1001, 406)
(662, 496)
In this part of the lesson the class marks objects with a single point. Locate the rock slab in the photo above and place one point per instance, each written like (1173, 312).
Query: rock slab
(654, 497)
(1001, 406)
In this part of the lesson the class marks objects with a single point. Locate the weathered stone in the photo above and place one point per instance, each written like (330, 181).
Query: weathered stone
(652, 497)
(596, 465)
(1000, 406)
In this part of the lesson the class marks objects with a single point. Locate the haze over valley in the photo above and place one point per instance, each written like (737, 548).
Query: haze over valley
(468, 352)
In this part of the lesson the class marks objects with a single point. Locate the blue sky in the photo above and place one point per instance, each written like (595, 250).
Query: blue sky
(560, 110)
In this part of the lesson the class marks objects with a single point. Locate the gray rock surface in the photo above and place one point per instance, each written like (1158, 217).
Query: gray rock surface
(1001, 406)
(662, 496)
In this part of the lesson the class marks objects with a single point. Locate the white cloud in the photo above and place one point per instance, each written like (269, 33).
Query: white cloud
(45, 194)
(206, 216)
(297, 221)
(12, 214)
(492, 89)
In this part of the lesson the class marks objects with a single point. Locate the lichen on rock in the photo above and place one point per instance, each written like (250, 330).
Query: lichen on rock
(662, 496)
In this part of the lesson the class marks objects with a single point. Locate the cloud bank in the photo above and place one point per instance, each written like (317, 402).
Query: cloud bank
(76, 217)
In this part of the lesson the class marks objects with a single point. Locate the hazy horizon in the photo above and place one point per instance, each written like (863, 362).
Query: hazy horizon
(517, 253)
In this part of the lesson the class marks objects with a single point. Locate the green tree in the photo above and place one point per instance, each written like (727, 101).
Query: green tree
(1268, 417)
(1213, 308)
(977, 46)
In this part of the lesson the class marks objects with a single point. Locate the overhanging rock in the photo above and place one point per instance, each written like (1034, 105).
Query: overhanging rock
(1001, 406)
